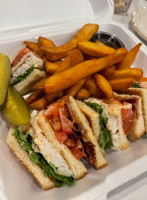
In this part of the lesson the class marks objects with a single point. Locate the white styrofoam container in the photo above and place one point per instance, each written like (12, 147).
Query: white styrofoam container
(59, 21)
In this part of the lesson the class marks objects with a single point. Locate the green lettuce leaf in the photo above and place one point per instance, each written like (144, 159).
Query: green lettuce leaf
(22, 76)
(105, 136)
(37, 158)
(135, 85)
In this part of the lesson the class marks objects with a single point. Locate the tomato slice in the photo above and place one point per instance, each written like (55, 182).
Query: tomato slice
(61, 136)
(127, 117)
(66, 123)
(76, 152)
(53, 109)
(20, 56)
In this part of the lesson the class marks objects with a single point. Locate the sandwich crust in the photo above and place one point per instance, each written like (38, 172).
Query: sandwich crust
(143, 94)
(85, 129)
(45, 182)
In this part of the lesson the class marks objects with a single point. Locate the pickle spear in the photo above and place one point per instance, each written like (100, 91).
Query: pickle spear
(16, 110)
(5, 69)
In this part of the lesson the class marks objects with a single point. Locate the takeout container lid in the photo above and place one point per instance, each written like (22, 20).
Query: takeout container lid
(20, 17)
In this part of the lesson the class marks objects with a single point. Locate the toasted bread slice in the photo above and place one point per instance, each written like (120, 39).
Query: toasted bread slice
(26, 85)
(76, 166)
(86, 133)
(45, 182)
(138, 128)
(142, 92)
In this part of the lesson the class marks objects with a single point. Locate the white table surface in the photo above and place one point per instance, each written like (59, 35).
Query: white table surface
(135, 189)
(126, 19)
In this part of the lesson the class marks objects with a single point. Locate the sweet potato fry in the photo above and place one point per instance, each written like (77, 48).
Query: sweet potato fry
(32, 46)
(95, 50)
(108, 72)
(100, 43)
(72, 91)
(127, 73)
(104, 85)
(40, 84)
(91, 86)
(51, 67)
(74, 58)
(121, 50)
(82, 94)
(121, 84)
(39, 104)
(129, 58)
(45, 42)
(69, 77)
(57, 53)
(34, 96)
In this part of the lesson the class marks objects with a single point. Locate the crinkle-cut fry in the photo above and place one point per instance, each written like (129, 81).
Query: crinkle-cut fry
(129, 58)
(91, 86)
(104, 85)
(108, 72)
(35, 95)
(40, 104)
(69, 77)
(32, 46)
(74, 58)
(42, 41)
(121, 50)
(100, 43)
(40, 84)
(51, 67)
(127, 73)
(56, 53)
(83, 93)
(121, 84)
(73, 90)
(95, 50)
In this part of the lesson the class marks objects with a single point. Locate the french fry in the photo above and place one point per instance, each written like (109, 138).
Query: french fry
(86, 32)
(129, 58)
(45, 42)
(74, 58)
(95, 50)
(100, 43)
(51, 67)
(37, 94)
(69, 77)
(32, 46)
(142, 79)
(39, 104)
(40, 84)
(108, 72)
(72, 91)
(121, 50)
(91, 86)
(121, 84)
(57, 53)
(104, 85)
(52, 97)
(127, 73)
(82, 94)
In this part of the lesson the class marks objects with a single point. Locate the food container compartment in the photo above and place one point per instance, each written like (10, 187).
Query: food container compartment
(17, 183)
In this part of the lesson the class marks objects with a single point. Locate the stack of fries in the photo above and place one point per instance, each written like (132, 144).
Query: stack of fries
(82, 69)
